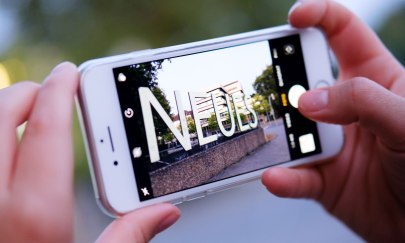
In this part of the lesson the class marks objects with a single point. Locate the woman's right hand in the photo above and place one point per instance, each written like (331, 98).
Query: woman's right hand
(364, 185)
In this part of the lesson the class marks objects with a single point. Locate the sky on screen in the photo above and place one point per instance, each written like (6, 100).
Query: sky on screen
(198, 73)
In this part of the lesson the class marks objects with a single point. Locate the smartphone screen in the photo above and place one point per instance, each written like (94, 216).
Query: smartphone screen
(205, 117)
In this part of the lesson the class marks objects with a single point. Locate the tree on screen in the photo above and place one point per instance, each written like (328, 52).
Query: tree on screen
(261, 104)
(146, 75)
(212, 123)
(266, 86)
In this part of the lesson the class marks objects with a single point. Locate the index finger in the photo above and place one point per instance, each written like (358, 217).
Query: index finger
(45, 159)
(357, 48)
(15, 106)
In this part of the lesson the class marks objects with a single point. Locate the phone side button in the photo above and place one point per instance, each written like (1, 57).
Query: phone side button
(195, 196)
(177, 201)
(322, 84)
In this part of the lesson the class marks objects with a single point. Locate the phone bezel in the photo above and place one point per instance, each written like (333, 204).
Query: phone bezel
(115, 186)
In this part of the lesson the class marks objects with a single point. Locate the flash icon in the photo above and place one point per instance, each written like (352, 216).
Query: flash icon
(122, 77)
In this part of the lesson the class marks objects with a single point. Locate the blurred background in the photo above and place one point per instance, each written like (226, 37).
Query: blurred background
(35, 35)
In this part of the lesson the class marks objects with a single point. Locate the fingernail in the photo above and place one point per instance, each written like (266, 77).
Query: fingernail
(314, 100)
(294, 7)
(168, 221)
(305, 1)
(59, 67)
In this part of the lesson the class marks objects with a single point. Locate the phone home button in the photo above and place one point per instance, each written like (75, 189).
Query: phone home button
(322, 84)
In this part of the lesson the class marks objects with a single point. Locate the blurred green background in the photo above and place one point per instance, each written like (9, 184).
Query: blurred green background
(48, 32)
(36, 35)
(42, 33)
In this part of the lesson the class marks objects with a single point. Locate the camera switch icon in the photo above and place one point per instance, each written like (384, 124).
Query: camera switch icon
(307, 143)
(289, 49)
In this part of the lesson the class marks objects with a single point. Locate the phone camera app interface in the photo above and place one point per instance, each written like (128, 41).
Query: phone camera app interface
(205, 117)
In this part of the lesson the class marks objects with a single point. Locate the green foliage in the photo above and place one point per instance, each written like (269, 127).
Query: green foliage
(145, 74)
(53, 31)
(212, 123)
(160, 126)
(161, 97)
(81, 30)
(266, 86)
(242, 118)
(167, 137)
(393, 35)
(266, 83)
(191, 125)
(260, 104)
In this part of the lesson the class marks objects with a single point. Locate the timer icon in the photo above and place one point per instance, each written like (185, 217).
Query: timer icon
(129, 113)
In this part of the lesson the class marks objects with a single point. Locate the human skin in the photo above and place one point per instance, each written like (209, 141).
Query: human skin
(364, 186)
(36, 173)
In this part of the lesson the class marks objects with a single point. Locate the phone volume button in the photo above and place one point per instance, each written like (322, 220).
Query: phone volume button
(195, 196)
(178, 201)
(140, 53)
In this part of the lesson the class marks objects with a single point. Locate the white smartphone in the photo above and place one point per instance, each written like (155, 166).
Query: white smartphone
(177, 123)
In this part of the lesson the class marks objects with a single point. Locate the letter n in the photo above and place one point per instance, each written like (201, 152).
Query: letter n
(147, 101)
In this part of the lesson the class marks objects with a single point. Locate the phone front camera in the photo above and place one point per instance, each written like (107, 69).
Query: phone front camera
(115, 163)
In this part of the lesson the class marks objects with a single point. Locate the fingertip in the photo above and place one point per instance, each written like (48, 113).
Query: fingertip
(293, 182)
(28, 85)
(274, 180)
(172, 214)
(313, 100)
(21, 86)
(162, 216)
(294, 7)
(63, 66)
(305, 13)
(141, 225)
(167, 208)
(64, 75)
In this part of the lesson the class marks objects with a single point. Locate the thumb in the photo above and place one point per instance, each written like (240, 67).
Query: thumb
(359, 100)
(294, 182)
(141, 225)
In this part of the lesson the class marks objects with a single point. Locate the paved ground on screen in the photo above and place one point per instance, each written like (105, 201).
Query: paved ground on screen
(271, 153)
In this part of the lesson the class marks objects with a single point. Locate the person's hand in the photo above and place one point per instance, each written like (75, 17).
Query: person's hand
(36, 173)
(364, 185)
